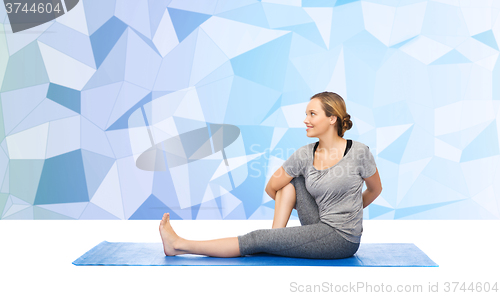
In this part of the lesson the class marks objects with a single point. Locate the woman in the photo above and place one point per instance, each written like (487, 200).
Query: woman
(323, 181)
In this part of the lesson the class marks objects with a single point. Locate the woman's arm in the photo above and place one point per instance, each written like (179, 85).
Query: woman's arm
(277, 181)
(373, 189)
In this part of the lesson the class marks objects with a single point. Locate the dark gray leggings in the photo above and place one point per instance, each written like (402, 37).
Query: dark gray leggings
(314, 239)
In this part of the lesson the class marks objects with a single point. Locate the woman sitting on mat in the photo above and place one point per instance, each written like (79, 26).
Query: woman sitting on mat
(323, 181)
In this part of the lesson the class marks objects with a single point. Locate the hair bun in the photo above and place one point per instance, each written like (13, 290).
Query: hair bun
(346, 122)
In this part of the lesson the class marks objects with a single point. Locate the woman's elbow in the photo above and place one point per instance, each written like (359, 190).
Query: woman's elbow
(375, 191)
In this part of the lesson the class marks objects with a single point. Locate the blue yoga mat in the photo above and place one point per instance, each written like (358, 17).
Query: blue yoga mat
(149, 254)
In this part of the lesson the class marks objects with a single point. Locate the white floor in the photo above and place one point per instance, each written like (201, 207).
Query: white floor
(36, 256)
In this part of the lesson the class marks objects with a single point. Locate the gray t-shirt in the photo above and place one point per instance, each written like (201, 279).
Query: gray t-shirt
(337, 189)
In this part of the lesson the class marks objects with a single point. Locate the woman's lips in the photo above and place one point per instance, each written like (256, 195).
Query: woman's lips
(308, 128)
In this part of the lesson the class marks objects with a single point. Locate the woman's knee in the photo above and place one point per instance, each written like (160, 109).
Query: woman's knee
(298, 179)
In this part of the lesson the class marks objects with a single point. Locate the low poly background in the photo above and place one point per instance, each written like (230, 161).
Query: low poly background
(130, 109)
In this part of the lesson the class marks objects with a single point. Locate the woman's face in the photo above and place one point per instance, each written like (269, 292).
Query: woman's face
(316, 121)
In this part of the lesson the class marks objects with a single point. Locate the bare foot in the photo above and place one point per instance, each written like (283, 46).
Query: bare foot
(168, 236)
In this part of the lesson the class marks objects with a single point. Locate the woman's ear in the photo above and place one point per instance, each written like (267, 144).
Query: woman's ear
(333, 119)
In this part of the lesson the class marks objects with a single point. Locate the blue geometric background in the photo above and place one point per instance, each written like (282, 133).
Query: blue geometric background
(127, 109)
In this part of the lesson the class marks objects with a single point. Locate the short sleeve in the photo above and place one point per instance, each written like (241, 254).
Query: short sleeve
(296, 163)
(367, 162)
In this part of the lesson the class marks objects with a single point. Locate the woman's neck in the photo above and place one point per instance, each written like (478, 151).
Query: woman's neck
(331, 144)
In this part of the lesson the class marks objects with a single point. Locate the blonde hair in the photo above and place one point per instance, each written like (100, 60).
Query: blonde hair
(334, 105)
